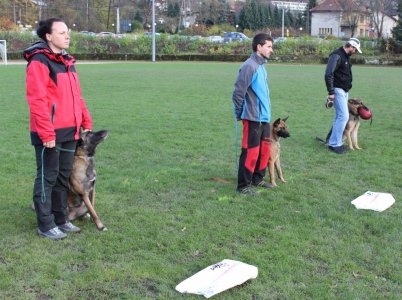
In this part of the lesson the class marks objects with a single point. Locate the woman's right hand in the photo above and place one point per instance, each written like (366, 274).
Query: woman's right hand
(50, 144)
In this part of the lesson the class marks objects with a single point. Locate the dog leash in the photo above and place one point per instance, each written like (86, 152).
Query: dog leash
(43, 194)
(65, 150)
(236, 145)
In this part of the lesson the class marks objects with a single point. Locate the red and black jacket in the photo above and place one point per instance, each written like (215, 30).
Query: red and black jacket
(57, 109)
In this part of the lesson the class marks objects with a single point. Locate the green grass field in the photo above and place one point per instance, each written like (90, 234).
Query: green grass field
(171, 130)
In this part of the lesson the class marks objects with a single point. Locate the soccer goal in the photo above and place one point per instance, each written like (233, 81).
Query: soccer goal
(3, 51)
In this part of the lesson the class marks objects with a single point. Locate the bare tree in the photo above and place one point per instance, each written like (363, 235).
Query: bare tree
(145, 6)
(379, 10)
(211, 11)
(352, 10)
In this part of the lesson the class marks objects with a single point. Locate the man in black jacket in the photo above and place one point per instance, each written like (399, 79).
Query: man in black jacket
(338, 78)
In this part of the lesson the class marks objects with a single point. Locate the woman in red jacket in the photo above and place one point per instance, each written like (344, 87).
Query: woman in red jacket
(57, 114)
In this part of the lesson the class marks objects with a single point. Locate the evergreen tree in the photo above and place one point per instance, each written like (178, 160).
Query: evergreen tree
(397, 31)
(170, 10)
(243, 23)
(176, 9)
(299, 22)
(264, 16)
(173, 10)
(258, 16)
(277, 19)
(289, 20)
(254, 16)
(138, 17)
(270, 22)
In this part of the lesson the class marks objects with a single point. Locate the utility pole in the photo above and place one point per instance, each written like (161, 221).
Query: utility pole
(308, 20)
(15, 15)
(153, 31)
(88, 15)
(185, 9)
(117, 19)
(180, 14)
(108, 14)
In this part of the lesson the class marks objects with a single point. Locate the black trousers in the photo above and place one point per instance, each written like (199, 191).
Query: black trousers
(51, 184)
(255, 153)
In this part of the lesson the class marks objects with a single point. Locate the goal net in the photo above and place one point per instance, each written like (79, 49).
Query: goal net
(3, 51)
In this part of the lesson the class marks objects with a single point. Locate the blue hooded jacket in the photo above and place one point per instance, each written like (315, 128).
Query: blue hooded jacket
(251, 93)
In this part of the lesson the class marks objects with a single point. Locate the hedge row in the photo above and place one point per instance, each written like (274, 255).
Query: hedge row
(133, 47)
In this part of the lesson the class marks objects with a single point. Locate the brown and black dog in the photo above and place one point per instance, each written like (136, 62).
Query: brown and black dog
(278, 130)
(352, 126)
(81, 197)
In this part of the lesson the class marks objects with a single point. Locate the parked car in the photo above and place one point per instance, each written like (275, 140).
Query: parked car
(234, 37)
(149, 33)
(106, 34)
(279, 39)
(90, 33)
(196, 37)
(215, 39)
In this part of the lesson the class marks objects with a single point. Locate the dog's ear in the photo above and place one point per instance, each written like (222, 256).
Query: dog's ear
(277, 121)
(284, 120)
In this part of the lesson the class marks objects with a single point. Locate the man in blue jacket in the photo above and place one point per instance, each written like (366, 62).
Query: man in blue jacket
(338, 79)
(252, 106)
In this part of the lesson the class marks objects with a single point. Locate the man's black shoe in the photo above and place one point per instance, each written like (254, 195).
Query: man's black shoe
(337, 150)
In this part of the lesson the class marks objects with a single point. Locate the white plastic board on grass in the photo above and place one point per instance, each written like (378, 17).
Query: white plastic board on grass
(374, 201)
(218, 278)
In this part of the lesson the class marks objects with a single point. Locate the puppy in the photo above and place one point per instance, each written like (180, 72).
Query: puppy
(278, 130)
(351, 131)
(81, 197)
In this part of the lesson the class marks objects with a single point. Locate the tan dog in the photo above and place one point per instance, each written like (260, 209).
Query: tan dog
(351, 131)
(81, 197)
(352, 127)
(278, 130)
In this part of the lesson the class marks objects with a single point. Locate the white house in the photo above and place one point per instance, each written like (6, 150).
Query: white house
(326, 19)
(329, 18)
(389, 22)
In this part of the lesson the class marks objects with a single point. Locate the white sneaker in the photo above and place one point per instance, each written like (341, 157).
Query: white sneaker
(69, 227)
(53, 234)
